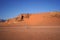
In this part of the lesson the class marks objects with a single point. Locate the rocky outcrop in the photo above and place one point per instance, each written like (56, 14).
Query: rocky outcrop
(18, 19)
(22, 17)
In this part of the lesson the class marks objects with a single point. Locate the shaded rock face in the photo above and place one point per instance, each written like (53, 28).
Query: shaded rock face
(22, 17)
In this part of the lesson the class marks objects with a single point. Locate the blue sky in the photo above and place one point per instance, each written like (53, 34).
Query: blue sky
(12, 8)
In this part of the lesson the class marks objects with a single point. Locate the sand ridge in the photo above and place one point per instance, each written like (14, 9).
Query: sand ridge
(41, 19)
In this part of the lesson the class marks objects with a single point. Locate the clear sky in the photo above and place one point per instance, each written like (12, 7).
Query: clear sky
(12, 8)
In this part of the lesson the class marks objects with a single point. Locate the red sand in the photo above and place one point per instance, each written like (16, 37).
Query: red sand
(41, 19)
(44, 26)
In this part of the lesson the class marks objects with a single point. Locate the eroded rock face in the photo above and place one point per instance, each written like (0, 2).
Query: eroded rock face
(19, 18)
(22, 17)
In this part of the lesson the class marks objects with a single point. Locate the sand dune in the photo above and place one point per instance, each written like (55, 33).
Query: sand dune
(41, 19)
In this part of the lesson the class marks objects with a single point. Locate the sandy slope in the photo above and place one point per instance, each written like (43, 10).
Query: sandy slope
(44, 26)
(38, 19)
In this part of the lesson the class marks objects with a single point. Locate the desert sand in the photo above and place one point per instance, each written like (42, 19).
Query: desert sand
(37, 19)
(39, 26)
